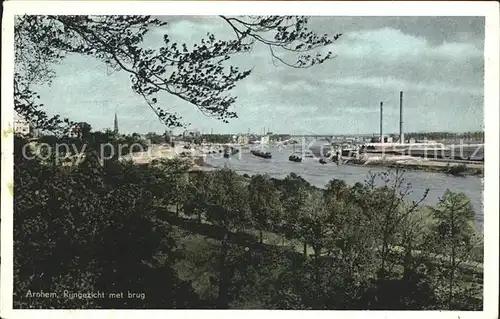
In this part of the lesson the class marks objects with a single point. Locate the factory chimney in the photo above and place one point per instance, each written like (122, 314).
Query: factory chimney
(381, 121)
(401, 134)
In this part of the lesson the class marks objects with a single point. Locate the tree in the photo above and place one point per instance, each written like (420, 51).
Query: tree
(346, 246)
(314, 223)
(198, 75)
(294, 196)
(198, 194)
(353, 244)
(92, 228)
(155, 138)
(84, 129)
(454, 238)
(227, 207)
(167, 137)
(386, 209)
(315, 229)
(265, 205)
(228, 201)
(171, 182)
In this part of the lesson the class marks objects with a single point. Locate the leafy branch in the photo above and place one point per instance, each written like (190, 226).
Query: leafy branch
(200, 75)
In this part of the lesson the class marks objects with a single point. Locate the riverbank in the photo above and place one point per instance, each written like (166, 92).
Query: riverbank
(319, 175)
(455, 168)
(156, 152)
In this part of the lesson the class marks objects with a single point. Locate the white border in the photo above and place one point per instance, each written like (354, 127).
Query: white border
(474, 8)
(337, 8)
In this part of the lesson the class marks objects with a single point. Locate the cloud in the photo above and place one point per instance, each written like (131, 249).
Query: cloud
(437, 61)
(394, 84)
(391, 44)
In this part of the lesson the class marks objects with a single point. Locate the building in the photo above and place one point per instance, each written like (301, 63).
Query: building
(115, 124)
(191, 133)
(264, 139)
(243, 139)
(21, 125)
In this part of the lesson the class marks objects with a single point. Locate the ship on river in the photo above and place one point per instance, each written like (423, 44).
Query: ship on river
(261, 154)
(295, 158)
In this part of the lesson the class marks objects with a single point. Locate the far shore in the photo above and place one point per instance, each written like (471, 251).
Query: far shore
(452, 167)
(448, 167)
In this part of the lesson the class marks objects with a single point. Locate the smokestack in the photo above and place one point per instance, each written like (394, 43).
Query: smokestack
(401, 134)
(381, 121)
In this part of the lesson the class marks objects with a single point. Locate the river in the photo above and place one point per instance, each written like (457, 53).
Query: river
(319, 175)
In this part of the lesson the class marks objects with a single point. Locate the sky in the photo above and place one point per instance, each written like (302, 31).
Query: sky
(438, 63)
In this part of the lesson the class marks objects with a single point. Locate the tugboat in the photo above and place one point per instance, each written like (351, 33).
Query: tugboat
(261, 154)
(322, 161)
(295, 158)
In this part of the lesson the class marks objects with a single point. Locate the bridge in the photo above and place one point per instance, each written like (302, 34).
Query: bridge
(326, 137)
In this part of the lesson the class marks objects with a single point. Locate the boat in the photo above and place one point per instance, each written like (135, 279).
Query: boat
(322, 161)
(261, 154)
(294, 158)
(226, 155)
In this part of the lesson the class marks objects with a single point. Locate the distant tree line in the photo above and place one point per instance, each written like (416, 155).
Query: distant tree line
(216, 138)
(216, 239)
(478, 136)
(116, 144)
(121, 144)
(279, 137)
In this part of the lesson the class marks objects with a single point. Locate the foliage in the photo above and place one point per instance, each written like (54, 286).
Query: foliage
(107, 225)
(113, 228)
(446, 136)
(154, 138)
(200, 75)
(84, 231)
(456, 169)
(388, 210)
(294, 197)
(227, 204)
(453, 239)
(264, 202)
(217, 138)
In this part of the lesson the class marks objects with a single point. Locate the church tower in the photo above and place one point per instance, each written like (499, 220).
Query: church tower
(115, 130)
